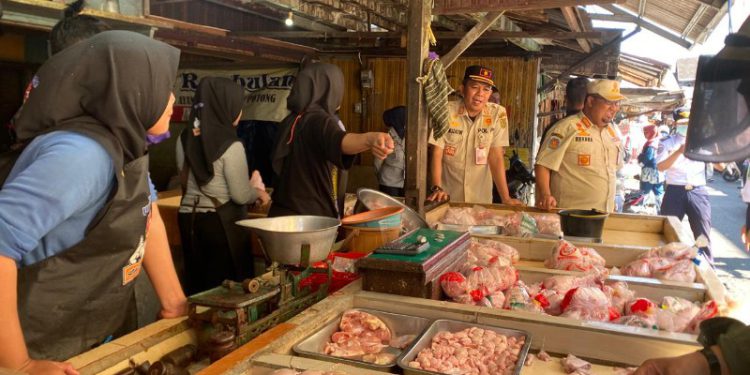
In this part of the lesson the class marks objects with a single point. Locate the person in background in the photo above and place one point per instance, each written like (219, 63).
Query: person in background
(575, 96)
(74, 27)
(71, 29)
(391, 170)
(77, 218)
(216, 189)
(576, 166)
(468, 161)
(313, 147)
(652, 180)
(686, 192)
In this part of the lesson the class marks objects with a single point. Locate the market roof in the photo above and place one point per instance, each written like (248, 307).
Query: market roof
(685, 22)
(642, 71)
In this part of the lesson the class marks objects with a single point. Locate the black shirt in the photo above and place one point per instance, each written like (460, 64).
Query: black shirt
(306, 186)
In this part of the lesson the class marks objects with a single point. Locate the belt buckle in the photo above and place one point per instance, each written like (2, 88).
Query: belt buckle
(689, 187)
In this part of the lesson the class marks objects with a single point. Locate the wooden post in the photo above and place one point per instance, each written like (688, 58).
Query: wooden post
(417, 130)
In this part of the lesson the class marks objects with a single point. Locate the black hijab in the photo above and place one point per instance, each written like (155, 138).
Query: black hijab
(317, 93)
(111, 87)
(216, 104)
(396, 118)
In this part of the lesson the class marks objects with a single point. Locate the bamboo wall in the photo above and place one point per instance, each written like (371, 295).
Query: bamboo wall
(515, 77)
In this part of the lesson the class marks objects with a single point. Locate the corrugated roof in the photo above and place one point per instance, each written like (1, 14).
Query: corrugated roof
(690, 19)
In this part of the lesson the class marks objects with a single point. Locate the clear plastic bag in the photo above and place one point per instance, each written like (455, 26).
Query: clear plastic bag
(567, 257)
(587, 303)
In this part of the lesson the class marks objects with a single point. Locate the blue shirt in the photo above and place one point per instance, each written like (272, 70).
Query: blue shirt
(57, 186)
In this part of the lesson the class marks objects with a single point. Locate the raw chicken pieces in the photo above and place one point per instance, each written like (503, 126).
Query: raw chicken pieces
(673, 261)
(567, 257)
(588, 303)
(574, 365)
(515, 224)
(360, 334)
(473, 351)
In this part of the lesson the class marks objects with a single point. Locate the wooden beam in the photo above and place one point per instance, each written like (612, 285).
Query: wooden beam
(694, 20)
(417, 127)
(654, 28)
(571, 17)
(440, 35)
(590, 57)
(712, 24)
(478, 6)
(470, 38)
(641, 8)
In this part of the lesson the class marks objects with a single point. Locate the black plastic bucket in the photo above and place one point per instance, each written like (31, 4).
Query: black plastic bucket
(582, 223)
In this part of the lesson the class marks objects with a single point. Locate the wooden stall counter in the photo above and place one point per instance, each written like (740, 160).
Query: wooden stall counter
(624, 230)
(602, 343)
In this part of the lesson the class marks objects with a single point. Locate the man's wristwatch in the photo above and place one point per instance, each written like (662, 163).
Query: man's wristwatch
(713, 361)
(435, 189)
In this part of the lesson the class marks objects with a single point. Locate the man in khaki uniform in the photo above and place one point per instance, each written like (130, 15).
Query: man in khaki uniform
(469, 157)
(576, 165)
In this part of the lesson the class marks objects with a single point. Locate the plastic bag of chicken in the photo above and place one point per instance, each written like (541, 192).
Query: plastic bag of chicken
(567, 257)
(587, 303)
(454, 284)
(548, 224)
(675, 314)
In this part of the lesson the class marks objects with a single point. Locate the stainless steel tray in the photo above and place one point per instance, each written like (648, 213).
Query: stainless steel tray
(473, 229)
(400, 325)
(442, 325)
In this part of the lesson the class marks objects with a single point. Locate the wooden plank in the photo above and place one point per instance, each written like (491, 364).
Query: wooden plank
(470, 37)
(190, 26)
(477, 6)
(150, 354)
(440, 35)
(147, 339)
(559, 335)
(274, 361)
(674, 231)
(242, 353)
(417, 130)
(571, 17)
(539, 249)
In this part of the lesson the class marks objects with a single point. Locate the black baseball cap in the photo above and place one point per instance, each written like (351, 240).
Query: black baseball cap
(480, 74)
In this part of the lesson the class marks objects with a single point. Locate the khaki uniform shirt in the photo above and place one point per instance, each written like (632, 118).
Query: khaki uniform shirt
(583, 160)
(463, 179)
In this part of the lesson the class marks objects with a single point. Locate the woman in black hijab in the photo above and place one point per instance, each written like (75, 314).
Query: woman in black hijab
(313, 148)
(216, 189)
(80, 184)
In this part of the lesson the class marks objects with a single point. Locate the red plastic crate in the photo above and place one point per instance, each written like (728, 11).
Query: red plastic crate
(338, 279)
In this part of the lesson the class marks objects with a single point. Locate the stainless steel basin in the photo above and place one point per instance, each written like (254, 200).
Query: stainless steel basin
(282, 237)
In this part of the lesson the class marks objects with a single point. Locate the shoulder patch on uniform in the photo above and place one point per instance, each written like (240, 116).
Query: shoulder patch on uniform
(554, 141)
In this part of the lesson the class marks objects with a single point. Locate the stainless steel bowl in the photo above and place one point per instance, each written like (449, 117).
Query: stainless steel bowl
(368, 199)
(282, 237)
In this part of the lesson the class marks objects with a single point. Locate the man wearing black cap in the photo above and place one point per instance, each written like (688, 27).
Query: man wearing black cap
(469, 157)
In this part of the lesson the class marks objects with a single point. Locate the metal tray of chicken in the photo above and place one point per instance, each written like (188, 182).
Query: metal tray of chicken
(443, 325)
(400, 326)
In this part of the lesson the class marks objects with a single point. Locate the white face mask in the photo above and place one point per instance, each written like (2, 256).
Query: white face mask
(681, 130)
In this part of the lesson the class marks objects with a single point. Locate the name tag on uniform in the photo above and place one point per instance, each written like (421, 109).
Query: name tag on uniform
(481, 155)
(450, 151)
